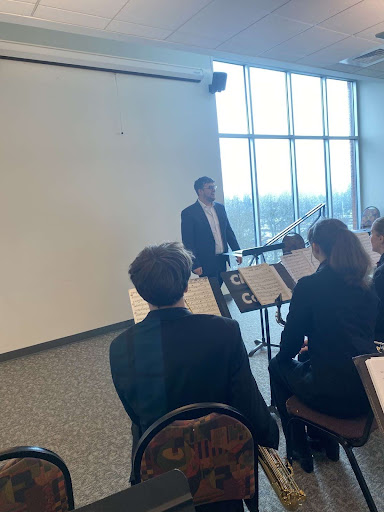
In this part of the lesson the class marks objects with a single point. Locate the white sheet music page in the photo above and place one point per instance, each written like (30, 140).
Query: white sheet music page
(140, 308)
(200, 298)
(375, 367)
(365, 240)
(310, 258)
(265, 283)
(297, 264)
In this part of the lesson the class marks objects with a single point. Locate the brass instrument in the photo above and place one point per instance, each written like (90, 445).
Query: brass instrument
(279, 318)
(380, 346)
(280, 475)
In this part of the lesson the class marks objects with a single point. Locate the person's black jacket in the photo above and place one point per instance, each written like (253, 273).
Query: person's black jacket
(197, 236)
(378, 282)
(339, 321)
(174, 358)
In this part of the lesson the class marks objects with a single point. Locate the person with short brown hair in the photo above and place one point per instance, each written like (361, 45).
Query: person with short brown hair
(377, 242)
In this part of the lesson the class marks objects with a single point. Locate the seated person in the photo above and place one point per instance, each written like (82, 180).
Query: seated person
(377, 242)
(174, 358)
(336, 309)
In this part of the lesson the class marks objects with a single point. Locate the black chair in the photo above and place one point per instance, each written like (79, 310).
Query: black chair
(349, 433)
(167, 492)
(213, 444)
(25, 467)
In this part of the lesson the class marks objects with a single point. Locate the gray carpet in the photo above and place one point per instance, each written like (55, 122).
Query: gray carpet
(63, 399)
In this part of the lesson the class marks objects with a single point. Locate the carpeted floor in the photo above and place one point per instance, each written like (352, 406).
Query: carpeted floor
(63, 399)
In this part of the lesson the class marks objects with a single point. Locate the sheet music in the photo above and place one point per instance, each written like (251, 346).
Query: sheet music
(140, 308)
(307, 252)
(298, 263)
(200, 298)
(365, 240)
(265, 283)
(375, 367)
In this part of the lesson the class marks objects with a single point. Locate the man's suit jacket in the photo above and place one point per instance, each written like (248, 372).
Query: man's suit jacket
(197, 236)
(378, 282)
(339, 321)
(174, 358)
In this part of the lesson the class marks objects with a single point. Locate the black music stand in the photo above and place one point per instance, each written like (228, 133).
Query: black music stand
(245, 299)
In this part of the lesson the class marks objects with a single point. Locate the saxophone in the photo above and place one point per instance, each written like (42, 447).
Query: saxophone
(280, 476)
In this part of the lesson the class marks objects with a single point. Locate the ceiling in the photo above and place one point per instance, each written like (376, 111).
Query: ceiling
(316, 33)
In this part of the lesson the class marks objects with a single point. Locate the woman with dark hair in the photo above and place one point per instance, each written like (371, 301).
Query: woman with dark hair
(377, 242)
(336, 310)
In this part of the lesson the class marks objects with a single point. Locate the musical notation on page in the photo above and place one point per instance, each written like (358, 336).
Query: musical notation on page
(375, 367)
(200, 298)
(365, 241)
(299, 263)
(140, 308)
(265, 283)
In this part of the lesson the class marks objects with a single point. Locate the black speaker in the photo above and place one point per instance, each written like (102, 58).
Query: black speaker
(219, 81)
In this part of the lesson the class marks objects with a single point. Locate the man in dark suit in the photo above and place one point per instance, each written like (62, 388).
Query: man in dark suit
(174, 358)
(206, 231)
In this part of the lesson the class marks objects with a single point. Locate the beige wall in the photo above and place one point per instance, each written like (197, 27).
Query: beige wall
(79, 199)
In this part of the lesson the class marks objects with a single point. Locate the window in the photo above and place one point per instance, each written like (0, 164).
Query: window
(288, 142)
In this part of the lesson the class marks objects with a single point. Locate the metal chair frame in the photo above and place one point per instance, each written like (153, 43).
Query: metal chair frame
(347, 444)
(190, 412)
(35, 452)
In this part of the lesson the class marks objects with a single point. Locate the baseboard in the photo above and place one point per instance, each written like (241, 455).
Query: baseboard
(82, 336)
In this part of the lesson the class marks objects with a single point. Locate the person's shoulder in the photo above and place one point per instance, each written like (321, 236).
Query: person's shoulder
(121, 343)
(190, 209)
(214, 322)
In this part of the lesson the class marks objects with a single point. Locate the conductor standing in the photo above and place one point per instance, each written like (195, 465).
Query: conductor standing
(206, 231)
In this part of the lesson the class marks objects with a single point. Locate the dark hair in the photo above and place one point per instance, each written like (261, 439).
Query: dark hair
(378, 226)
(343, 250)
(200, 182)
(160, 273)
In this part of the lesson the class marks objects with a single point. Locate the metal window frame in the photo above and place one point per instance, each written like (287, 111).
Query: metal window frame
(291, 137)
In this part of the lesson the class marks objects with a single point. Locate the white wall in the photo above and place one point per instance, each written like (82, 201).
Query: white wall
(371, 118)
(79, 200)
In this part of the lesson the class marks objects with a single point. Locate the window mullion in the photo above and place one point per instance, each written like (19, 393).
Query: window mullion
(327, 159)
(292, 147)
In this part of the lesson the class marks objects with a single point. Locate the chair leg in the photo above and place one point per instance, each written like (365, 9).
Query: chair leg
(359, 476)
(289, 440)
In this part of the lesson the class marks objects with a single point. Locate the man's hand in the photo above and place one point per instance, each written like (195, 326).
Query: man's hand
(304, 348)
(239, 260)
(198, 271)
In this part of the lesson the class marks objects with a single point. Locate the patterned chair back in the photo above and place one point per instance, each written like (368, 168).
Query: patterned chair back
(292, 241)
(33, 484)
(214, 451)
(368, 217)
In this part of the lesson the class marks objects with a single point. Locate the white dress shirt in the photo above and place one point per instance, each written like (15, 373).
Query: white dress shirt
(213, 220)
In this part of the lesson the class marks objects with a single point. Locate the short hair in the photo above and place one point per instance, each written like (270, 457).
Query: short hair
(343, 250)
(200, 182)
(160, 273)
(378, 226)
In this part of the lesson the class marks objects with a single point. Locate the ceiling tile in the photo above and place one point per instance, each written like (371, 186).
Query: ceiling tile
(357, 18)
(314, 11)
(168, 14)
(134, 29)
(263, 35)
(310, 41)
(193, 40)
(370, 72)
(222, 19)
(72, 18)
(103, 8)
(347, 48)
(13, 7)
(376, 67)
(370, 33)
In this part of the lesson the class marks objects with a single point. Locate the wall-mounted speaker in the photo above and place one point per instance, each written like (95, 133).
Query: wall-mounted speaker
(219, 81)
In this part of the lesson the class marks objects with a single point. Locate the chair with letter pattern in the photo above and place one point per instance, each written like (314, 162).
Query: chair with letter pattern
(34, 479)
(212, 444)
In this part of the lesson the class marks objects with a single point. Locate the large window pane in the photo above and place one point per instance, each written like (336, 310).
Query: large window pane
(231, 105)
(310, 178)
(307, 105)
(269, 102)
(273, 169)
(238, 189)
(343, 178)
(339, 98)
